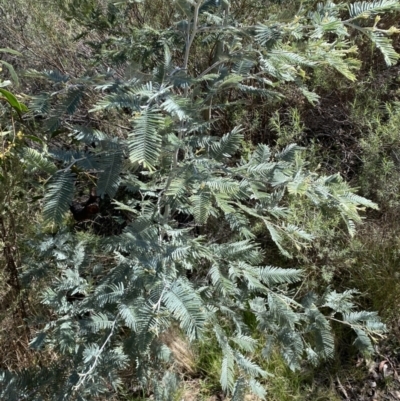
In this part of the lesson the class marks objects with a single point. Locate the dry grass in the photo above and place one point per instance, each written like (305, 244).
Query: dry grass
(376, 269)
(16, 332)
(14, 338)
(184, 359)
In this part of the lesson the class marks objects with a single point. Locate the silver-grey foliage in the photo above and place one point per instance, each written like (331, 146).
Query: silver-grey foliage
(187, 256)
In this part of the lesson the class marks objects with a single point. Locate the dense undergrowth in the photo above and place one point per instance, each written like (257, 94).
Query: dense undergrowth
(76, 108)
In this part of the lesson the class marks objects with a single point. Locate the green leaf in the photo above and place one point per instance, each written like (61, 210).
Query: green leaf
(360, 9)
(11, 51)
(175, 107)
(277, 275)
(228, 145)
(12, 72)
(258, 389)
(186, 306)
(239, 390)
(227, 371)
(363, 342)
(35, 139)
(59, 196)
(73, 100)
(145, 140)
(38, 341)
(36, 160)
(384, 44)
(13, 101)
(111, 163)
(268, 35)
(311, 96)
(201, 203)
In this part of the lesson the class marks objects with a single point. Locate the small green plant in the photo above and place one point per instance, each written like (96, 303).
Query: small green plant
(381, 150)
(287, 131)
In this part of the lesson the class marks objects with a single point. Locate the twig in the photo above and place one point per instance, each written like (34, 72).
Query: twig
(189, 42)
(342, 389)
(96, 358)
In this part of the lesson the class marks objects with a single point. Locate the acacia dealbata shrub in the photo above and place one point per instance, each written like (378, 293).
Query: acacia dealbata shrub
(186, 199)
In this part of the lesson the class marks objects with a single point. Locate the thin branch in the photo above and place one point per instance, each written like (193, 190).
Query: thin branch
(190, 37)
(189, 42)
(96, 359)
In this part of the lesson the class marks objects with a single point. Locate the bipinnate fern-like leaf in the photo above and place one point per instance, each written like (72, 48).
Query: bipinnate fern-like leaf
(88, 135)
(227, 146)
(175, 107)
(65, 156)
(268, 35)
(166, 388)
(322, 333)
(145, 140)
(262, 154)
(109, 178)
(291, 347)
(239, 223)
(292, 58)
(340, 302)
(54, 76)
(59, 196)
(187, 307)
(148, 326)
(342, 62)
(201, 204)
(243, 67)
(254, 91)
(239, 389)
(246, 343)
(36, 160)
(311, 96)
(40, 105)
(73, 100)
(277, 275)
(360, 9)
(257, 388)
(360, 317)
(67, 106)
(120, 101)
(363, 342)
(248, 366)
(52, 124)
(276, 236)
(288, 154)
(129, 315)
(384, 44)
(281, 311)
(227, 370)
(220, 281)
